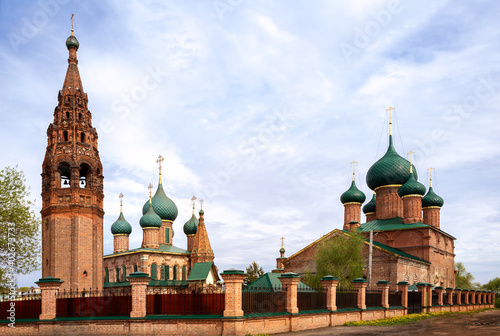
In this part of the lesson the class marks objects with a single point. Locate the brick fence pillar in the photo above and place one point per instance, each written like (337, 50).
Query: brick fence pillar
(49, 287)
(472, 296)
(329, 284)
(459, 295)
(384, 286)
(290, 282)
(466, 296)
(139, 282)
(422, 289)
(403, 288)
(439, 291)
(429, 295)
(360, 286)
(233, 283)
(450, 290)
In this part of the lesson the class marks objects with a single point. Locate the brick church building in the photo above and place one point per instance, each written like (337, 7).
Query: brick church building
(408, 243)
(72, 211)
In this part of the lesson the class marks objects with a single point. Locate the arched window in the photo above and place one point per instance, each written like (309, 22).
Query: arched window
(82, 137)
(79, 116)
(117, 274)
(135, 268)
(65, 135)
(65, 174)
(167, 235)
(124, 271)
(153, 271)
(106, 275)
(184, 277)
(167, 271)
(175, 272)
(84, 175)
(67, 115)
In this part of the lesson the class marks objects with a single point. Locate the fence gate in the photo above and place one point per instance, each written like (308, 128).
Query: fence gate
(414, 302)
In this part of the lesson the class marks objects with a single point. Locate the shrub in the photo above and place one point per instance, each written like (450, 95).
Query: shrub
(497, 302)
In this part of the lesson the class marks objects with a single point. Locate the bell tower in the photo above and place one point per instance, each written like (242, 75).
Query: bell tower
(72, 188)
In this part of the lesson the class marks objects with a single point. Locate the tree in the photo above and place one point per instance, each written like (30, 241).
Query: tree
(341, 257)
(493, 285)
(19, 228)
(463, 279)
(254, 271)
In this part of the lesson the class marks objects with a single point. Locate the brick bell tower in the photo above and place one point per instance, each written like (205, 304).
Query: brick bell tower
(72, 189)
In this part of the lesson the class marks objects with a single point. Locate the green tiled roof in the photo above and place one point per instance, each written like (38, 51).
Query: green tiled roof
(162, 248)
(200, 271)
(389, 224)
(370, 206)
(191, 226)
(432, 199)
(396, 251)
(412, 187)
(150, 218)
(270, 281)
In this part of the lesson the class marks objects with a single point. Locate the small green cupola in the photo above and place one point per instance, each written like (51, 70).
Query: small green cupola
(72, 42)
(150, 218)
(162, 204)
(411, 187)
(431, 199)
(370, 206)
(353, 194)
(191, 225)
(121, 226)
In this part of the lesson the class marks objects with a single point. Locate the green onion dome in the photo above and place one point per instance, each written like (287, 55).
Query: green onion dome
(282, 250)
(353, 195)
(150, 218)
(370, 206)
(121, 226)
(412, 187)
(72, 42)
(432, 199)
(389, 169)
(162, 205)
(191, 225)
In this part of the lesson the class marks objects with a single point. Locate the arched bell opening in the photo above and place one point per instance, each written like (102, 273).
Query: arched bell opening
(65, 174)
(85, 174)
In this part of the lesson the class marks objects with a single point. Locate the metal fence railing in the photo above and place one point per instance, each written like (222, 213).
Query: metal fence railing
(90, 303)
(395, 299)
(311, 299)
(346, 298)
(373, 298)
(263, 299)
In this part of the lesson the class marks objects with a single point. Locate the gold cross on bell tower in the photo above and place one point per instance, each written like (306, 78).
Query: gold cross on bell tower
(353, 168)
(390, 109)
(282, 240)
(72, 30)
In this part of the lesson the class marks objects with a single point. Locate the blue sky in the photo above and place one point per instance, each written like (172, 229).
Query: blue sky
(259, 107)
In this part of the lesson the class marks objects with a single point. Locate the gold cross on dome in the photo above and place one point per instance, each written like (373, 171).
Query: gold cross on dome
(353, 168)
(201, 204)
(159, 161)
(121, 201)
(150, 187)
(390, 109)
(430, 175)
(72, 30)
(411, 160)
(282, 239)
(193, 199)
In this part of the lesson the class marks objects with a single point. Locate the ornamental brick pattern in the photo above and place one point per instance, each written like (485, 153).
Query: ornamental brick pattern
(72, 190)
(388, 202)
(412, 209)
(432, 216)
(150, 237)
(120, 243)
(352, 213)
